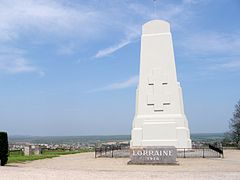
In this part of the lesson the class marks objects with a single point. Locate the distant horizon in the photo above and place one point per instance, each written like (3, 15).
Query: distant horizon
(101, 135)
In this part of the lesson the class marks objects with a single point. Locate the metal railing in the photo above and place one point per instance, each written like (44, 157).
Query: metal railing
(197, 153)
(114, 151)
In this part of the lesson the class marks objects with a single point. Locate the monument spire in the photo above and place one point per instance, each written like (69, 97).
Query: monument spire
(159, 119)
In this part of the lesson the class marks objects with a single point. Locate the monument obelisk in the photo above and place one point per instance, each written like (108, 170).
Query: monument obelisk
(159, 120)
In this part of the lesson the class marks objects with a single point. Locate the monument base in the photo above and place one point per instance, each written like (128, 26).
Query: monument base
(154, 155)
(160, 130)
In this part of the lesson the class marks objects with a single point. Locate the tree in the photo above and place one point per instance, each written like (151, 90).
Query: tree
(3, 148)
(235, 125)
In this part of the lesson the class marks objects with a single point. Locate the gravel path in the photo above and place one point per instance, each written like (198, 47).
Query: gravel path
(85, 166)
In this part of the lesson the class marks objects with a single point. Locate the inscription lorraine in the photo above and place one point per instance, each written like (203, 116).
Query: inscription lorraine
(152, 152)
(153, 155)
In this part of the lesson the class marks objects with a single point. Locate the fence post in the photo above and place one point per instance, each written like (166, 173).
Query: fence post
(184, 153)
(203, 153)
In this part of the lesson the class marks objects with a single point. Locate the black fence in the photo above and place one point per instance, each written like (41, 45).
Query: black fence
(198, 153)
(118, 151)
(112, 151)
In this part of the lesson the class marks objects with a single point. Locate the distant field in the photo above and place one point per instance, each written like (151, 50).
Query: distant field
(205, 137)
(68, 139)
(17, 156)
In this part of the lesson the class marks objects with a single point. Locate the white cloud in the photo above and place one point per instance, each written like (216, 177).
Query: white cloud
(173, 13)
(53, 20)
(213, 52)
(132, 33)
(47, 16)
(88, 21)
(12, 61)
(232, 65)
(209, 43)
(112, 49)
(19, 65)
(43, 22)
(176, 13)
(131, 82)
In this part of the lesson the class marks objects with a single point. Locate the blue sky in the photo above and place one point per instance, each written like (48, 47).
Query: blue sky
(71, 67)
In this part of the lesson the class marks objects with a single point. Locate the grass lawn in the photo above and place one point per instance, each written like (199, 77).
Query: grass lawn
(17, 156)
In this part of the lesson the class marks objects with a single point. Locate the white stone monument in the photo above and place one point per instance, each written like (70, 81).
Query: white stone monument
(159, 118)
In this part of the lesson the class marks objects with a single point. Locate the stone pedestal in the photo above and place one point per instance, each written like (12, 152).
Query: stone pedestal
(27, 150)
(153, 155)
(159, 119)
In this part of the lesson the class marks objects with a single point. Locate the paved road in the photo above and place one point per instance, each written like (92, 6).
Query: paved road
(85, 166)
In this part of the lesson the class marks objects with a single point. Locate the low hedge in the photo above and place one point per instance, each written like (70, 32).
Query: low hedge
(3, 148)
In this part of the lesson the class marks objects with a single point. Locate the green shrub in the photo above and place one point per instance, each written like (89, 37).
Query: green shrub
(3, 148)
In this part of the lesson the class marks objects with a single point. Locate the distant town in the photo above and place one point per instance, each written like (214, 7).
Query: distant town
(73, 143)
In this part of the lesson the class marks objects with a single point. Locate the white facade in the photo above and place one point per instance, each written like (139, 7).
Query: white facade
(159, 118)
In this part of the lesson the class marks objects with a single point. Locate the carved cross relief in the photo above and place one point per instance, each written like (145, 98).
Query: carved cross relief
(159, 99)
